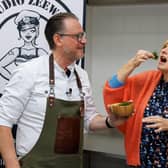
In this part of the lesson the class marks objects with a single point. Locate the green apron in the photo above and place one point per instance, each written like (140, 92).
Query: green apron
(61, 140)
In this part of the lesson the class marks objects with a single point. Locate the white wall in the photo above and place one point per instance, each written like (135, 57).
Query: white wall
(114, 35)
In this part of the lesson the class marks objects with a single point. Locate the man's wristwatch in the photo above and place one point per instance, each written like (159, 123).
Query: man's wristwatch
(107, 123)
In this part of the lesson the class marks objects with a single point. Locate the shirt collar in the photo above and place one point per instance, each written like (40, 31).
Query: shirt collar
(71, 67)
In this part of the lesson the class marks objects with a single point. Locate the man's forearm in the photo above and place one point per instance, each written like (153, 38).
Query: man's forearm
(7, 148)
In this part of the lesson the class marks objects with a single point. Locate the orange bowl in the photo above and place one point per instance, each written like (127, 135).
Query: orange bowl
(123, 109)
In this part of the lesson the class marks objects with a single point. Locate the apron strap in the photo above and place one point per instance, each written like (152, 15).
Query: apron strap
(52, 81)
(79, 84)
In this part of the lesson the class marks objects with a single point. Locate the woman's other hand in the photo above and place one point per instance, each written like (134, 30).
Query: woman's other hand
(157, 122)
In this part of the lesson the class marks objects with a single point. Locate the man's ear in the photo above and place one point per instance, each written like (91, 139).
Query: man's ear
(57, 39)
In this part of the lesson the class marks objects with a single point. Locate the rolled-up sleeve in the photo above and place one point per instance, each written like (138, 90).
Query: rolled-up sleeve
(114, 82)
(90, 108)
(15, 97)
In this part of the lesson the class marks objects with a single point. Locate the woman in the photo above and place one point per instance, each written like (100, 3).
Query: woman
(28, 26)
(146, 132)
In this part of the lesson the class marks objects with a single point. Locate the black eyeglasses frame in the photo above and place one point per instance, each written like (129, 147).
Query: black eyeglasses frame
(78, 36)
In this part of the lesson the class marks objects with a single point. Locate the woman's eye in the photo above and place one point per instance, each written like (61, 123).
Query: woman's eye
(32, 31)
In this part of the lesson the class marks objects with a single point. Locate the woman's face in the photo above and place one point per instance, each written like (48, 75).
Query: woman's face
(163, 59)
(28, 33)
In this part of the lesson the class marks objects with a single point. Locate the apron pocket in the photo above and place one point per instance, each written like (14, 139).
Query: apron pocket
(67, 135)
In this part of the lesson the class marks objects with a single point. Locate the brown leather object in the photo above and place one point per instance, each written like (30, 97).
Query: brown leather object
(67, 135)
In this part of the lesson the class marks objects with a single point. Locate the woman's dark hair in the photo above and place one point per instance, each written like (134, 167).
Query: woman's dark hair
(56, 25)
(31, 20)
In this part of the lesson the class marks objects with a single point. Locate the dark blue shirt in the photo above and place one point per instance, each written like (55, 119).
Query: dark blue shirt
(154, 146)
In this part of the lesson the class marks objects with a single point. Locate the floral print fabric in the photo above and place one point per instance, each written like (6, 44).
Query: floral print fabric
(154, 146)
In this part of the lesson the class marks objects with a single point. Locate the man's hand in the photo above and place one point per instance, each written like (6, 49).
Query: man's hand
(115, 120)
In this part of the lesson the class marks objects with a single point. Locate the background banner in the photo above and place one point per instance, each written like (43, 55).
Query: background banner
(22, 25)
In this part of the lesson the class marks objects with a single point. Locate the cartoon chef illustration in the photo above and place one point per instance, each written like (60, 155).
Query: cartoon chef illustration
(28, 24)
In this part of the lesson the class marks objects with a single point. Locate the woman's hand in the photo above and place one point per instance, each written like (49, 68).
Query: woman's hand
(140, 57)
(157, 122)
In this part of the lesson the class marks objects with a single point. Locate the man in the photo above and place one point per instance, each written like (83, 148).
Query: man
(48, 105)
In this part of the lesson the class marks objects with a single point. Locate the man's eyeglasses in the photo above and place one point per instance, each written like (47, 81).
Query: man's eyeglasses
(78, 36)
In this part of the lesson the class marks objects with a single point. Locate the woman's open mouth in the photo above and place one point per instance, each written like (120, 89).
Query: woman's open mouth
(163, 59)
